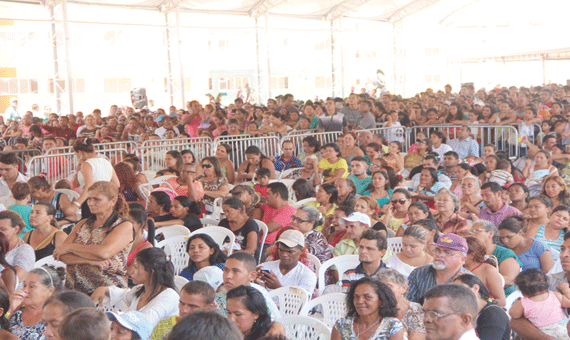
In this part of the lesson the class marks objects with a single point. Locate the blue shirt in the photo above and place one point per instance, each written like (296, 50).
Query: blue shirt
(188, 272)
(281, 164)
(531, 258)
(465, 148)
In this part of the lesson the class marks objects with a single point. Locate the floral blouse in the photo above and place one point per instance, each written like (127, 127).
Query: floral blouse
(387, 328)
(34, 332)
(317, 245)
(212, 186)
(413, 320)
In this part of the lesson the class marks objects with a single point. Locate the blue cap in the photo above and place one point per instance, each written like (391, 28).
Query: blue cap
(134, 321)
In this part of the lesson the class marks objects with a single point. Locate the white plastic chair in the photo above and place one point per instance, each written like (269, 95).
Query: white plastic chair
(395, 245)
(172, 230)
(332, 307)
(217, 214)
(287, 172)
(207, 222)
(315, 260)
(304, 201)
(146, 188)
(150, 174)
(303, 328)
(175, 249)
(264, 230)
(69, 193)
(219, 235)
(290, 299)
(50, 261)
(342, 263)
(180, 282)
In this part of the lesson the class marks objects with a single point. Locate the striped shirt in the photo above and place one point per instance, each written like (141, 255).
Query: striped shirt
(422, 279)
(357, 273)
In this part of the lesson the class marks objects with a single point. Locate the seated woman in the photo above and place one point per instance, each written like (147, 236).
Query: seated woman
(173, 160)
(140, 222)
(532, 253)
(305, 220)
(415, 159)
(183, 212)
(309, 171)
(448, 221)
(247, 309)
(43, 192)
(416, 211)
(556, 189)
(461, 171)
(409, 313)
(537, 214)
(535, 172)
(58, 306)
(378, 321)
(251, 199)
(18, 254)
(26, 305)
(332, 167)
(393, 157)
(311, 147)
(552, 234)
(303, 189)
(226, 165)
(379, 188)
(135, 163)
(325, 201)
(214, 183)
(154, 294)
(492, 321)
(518, 194)
(370, 208)
(204, 252)
(428, 187)
(471, 201)
(129, 183)
(398, 211)
(349, 148)
(244, 227)
(96, 250)
(254, 160)
(485, 269)
(46, 236)
(413, 254)
(159, 204)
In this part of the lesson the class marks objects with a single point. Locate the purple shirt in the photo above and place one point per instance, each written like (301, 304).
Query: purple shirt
(497, 217)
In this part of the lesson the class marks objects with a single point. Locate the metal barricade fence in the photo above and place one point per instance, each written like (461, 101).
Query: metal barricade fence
(127, 145)
(322, 137)
(62, 165)
(504, 137)
(269, 146)
(23, 157)
(392, 133)
(152, 153)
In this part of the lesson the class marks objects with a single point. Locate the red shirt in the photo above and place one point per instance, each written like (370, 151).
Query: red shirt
(280, 216)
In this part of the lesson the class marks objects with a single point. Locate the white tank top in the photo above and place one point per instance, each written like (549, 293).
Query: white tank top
(102, 171)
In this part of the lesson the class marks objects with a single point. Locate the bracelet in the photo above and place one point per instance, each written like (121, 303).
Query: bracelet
(77, 204)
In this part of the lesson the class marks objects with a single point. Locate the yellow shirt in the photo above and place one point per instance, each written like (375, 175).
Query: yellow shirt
(340, 164)
(163, 327)
(315, 205)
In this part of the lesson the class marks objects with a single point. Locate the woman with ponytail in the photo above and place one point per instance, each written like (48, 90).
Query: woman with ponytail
(154, 294)
(46, 236)
(96, 250)
(140, 222)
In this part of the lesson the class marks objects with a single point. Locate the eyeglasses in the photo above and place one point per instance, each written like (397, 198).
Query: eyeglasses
(433, 315)
(207, 165)
(401, 201)
(295, 218)
(476, 231)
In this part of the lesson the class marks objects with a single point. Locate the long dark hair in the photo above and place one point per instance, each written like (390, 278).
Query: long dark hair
(4, 246)
(5, 305)
(141, 217)
(162, 199)
(253, 300)
(303, 189)
(471, 280)
(186, 202)
(424, 208)
(159, 268)
(176, 155)
(50, 211)
(388, 303)
(217, 257)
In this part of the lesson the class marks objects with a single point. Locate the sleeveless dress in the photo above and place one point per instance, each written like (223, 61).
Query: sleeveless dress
(86, 278)
(45, 251)
(554, 244)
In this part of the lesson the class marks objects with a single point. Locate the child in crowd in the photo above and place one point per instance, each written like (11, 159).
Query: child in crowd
(502, 174)
(543, 308)
(21, 192)
(393, 157)
(263, 175)
(63, 184)
(188, 156)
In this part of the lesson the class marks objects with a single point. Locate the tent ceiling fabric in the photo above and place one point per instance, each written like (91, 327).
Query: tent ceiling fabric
(378, 10)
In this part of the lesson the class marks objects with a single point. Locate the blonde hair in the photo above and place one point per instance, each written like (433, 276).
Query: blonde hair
(372, 204)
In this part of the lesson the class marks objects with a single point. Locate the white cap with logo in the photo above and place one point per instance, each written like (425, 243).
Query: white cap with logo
(356, 217)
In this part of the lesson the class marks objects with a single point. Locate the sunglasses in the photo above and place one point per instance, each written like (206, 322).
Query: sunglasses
(401, 201)
(207, 165)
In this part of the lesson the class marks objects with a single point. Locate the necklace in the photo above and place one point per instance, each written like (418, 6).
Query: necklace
(364, 331)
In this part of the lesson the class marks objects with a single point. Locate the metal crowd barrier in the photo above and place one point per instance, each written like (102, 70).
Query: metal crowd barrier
(152, 152)
(322, 137)
(127, 145)
(60, 166)
(392, 133)
(269, 146)
(23, 157)
(504, 137)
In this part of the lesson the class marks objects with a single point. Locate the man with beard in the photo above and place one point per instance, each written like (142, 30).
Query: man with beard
(449, 256)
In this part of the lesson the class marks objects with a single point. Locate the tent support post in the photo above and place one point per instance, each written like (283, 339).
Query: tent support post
(62, 79)
(543, 58)
(268, 74)
(172, 32)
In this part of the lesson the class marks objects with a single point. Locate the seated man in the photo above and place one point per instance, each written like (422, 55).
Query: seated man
(195, 295)
(276, 212)
(240, 270)
(373, 245)
(287, 160)
(10, 174)
(288, 271)
(464, 145)
(356, 223)
(359, 174)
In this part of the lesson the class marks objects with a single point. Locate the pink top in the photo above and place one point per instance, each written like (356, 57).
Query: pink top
(261, 190)
(131, 256)
(280, 216)
(543, 313)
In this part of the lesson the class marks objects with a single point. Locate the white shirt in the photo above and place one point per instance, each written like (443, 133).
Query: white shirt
(440, 178)
(395, 132)
(300, 276)
(469, 335)
(5, 190)
(161, 131)
(443, 148)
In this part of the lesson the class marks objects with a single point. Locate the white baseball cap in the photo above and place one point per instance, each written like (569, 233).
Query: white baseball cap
(355, 217)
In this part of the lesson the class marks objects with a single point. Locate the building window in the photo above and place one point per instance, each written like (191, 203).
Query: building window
(323, 82)
(210, 84)
(18, 85)
(279, 83)
(232, 83)
(117, 85)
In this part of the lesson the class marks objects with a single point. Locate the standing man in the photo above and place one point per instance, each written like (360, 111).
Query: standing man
(11, 112)
(465, 147)
(359, 176)
(496, 210)
(287, 160)
(449, 256)
(450, 311)
(332, 120)
(352, 110)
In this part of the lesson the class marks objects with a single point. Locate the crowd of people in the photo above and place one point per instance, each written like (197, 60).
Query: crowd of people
(477, 228)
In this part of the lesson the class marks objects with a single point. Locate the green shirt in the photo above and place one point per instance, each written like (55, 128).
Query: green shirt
(164, 327)
(361, 185)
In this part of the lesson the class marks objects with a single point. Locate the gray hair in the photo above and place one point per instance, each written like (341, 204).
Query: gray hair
(49, 276)
(313, 215)
(391, 275)
(453, 196)
(489, 226)
(475, 179)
